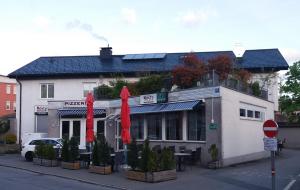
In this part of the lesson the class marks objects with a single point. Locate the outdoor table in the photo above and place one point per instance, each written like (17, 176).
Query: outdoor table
(180, 156)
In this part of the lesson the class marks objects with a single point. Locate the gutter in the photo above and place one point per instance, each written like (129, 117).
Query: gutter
(20, 114)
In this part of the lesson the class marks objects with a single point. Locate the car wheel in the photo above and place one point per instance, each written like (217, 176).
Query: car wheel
(29, 156)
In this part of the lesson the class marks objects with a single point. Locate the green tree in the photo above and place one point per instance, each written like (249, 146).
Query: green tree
(65, 150)
(133, 154)
(289, 101)
(74, 150)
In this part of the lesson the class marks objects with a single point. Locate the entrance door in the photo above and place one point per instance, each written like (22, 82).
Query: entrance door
(119, 142)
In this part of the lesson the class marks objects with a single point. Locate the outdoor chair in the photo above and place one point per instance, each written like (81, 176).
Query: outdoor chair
(182, 148)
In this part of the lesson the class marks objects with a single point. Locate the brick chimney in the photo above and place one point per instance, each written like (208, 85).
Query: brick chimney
(106, 52)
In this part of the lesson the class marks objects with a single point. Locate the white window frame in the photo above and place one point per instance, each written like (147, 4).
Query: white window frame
(89, 85)
(8, 88)
(47, 92)
(7, 105)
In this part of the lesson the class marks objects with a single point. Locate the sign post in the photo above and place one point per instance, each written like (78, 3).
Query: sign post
(270, 128)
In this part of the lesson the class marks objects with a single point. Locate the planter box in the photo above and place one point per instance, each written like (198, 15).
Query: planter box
(70, 165)
(100, 169)
(152, 177)
(49, 163)
(37, 161)
(214, 165)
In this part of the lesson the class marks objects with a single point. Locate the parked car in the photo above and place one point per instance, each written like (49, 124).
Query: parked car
(29, 147)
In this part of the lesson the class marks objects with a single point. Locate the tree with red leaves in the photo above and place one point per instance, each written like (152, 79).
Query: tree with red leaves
(186, 75)
(222, 65)
(243, 75)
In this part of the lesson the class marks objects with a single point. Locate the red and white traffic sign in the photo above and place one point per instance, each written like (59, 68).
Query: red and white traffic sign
(270, 128)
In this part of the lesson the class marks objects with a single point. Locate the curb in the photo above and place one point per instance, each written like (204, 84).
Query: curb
(65, 177)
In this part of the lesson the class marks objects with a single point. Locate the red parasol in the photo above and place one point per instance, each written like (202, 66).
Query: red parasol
(90, 118)
(125, 115)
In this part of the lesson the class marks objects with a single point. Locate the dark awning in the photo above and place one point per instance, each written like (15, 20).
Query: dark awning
(78, 112)
(166, 107)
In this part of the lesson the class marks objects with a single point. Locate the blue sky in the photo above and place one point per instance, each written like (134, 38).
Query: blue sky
(32, 28)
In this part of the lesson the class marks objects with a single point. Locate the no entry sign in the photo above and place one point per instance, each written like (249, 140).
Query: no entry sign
(270, 128)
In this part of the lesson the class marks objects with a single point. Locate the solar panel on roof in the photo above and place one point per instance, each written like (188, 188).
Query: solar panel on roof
(144, 56)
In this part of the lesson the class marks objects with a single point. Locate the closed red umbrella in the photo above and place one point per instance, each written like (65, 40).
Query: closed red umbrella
(125, 116)
(90, 118)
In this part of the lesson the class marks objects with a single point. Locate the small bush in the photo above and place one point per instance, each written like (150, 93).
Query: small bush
(73, 150)
(40, 150)
(133, 154)
(10, 139)
(213, 150)
(256, 89)
(167, 160)
(65, 151)
(49, 152)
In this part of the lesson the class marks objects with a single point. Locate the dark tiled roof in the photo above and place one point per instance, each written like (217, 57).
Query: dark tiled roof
(93, 65)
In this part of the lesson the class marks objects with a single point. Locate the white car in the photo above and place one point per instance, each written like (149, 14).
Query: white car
(29, 147)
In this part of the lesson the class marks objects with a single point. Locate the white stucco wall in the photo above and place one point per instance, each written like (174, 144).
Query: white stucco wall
(242, 136)
(64, 89)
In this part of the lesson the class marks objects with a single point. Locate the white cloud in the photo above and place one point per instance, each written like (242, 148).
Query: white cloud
(128, 15)
(291, 55)
(41, 22)
(196, 17)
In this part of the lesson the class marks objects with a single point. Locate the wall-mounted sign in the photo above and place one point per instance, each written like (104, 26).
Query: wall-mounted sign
(75, 103)
(41, 110)
(160, 97)
(148, 99)
(213, 126)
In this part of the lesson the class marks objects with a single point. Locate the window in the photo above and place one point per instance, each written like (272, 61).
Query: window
(257, 114)
(250, 113)
(66, 129)
(196, 125)
(154, 126)
(8, 89)
(7, 105)
(15, 89)
(173, 126)
(137, 127)
(14, 105)
(242, 113)
(88, 87)
(76, 131)
(47, 90)
(100, 128)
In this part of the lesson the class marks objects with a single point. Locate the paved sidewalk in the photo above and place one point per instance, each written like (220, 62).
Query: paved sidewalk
(254, 175)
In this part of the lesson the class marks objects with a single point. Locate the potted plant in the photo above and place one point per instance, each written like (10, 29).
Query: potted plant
(38, 154)
(214, 152)
(45, 155)
(152, 167)
(101, 157)
(70, 154)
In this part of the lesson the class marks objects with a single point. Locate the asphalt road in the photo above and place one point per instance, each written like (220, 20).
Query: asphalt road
(15, 179)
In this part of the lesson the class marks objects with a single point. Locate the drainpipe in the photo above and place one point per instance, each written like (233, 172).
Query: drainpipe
(20, 113)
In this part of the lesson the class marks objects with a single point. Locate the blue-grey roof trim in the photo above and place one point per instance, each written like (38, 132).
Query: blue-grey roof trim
(94, 65)
(165, 107)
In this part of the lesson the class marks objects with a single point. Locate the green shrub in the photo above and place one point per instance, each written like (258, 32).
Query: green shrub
(95, 153)
(50, 153)
(150, 84)
(148, 158)
(104, 152)
(133, 154)
(213, 150)
(40, 150)
(73, 150)
(167, 160)
(103, 92)
(65, 151)
(4, 126)
(10, 139)
(256, 89)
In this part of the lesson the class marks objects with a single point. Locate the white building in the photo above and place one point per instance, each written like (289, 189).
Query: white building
(48, 85)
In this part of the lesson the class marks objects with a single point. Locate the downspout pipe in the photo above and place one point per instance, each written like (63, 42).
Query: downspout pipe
(20, 113)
